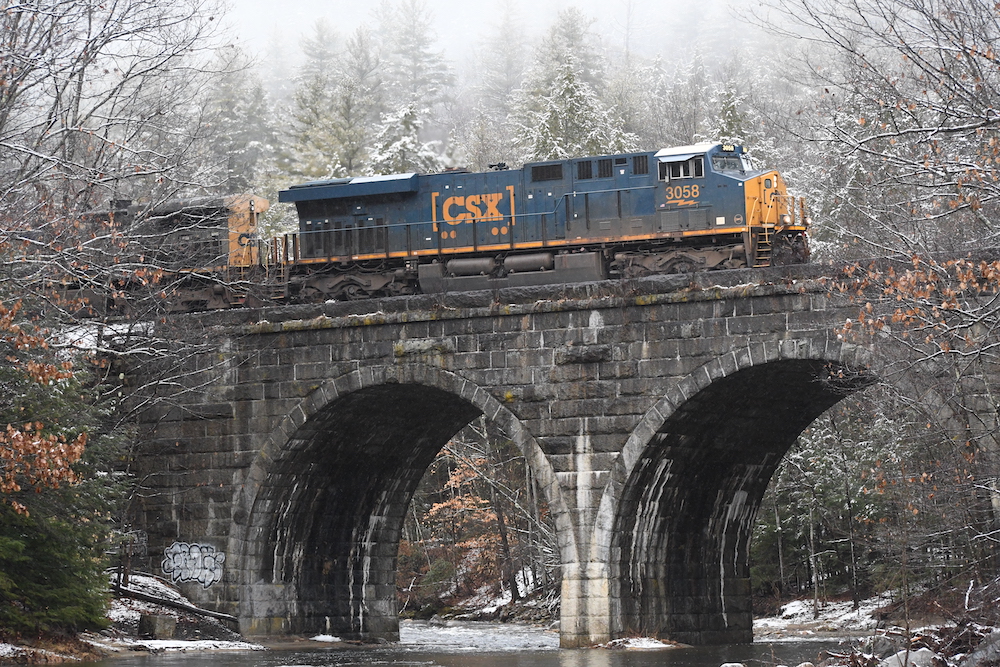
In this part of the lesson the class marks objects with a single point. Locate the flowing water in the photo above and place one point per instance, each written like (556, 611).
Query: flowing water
(468, 644)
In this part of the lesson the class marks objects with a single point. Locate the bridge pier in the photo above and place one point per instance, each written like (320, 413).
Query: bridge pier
(651, 413)
(585, 618)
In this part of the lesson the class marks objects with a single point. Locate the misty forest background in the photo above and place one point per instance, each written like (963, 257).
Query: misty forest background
(885, 114)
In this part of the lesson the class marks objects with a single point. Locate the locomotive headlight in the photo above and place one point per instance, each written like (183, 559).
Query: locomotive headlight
(786, 219)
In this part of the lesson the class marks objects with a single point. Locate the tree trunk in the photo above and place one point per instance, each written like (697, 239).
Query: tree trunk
(508, 561)
(812, 563)
(781, 555)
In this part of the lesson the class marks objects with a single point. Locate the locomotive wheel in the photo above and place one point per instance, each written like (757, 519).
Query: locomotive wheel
(354, 292)
(680, 265)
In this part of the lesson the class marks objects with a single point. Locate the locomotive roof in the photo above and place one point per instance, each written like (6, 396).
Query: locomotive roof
(693, 149)
(361, 186)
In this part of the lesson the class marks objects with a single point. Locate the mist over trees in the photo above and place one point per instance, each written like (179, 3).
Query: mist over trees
(882, 112)
(386, 98)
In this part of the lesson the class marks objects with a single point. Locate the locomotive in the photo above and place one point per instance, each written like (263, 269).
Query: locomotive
(196, 254)
(677, 210)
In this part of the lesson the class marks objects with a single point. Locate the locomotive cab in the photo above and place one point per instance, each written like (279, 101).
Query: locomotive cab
(715, 191)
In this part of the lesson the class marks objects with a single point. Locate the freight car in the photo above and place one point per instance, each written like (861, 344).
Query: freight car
(677, 210)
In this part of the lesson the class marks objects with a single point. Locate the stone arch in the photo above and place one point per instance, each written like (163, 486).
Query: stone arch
(317, 519)
(677, 515)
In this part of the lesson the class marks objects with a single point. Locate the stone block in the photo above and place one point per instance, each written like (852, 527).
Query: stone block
(157, 626)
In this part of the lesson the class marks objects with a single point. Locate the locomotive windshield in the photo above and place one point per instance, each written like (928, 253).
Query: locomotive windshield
(731, 163)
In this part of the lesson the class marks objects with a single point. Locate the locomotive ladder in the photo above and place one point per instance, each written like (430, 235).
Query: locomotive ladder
(762, 254)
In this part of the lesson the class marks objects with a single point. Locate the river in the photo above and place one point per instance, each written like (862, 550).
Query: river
(468, 644)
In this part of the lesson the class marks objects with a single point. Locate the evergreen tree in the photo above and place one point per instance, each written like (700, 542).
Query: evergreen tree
(731, 119)
(571, 122)
(276, 70)
(501, 64)
(321, 52)
(336, 108)
(314, 150)
(687, 101)
(357, 100)
(569, 37)
(484, 140)
(398, 148)
(58, 492)
(418, 75)
(245, 138)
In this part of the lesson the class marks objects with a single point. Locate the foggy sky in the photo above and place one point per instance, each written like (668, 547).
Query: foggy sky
(664, 27)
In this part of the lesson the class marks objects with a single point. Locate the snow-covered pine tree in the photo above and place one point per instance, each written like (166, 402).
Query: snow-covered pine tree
(357, 100)
(321, 51)
(313, 152)
(418, 74)
(241, 114)
(571, 122)
(397, 147)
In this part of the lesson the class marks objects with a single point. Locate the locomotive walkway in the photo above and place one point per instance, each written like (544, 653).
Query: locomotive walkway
(652, 412)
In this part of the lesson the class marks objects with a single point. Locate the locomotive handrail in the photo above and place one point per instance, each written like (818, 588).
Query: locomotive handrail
(294, 241)
(595, 192)
(754, 215)
(789, 203)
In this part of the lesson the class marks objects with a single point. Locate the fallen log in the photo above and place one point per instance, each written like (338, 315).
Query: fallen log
(123, 591)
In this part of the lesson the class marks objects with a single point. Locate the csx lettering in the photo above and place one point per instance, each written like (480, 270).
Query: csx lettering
(452, 209)
(447, 214)
(491, 200)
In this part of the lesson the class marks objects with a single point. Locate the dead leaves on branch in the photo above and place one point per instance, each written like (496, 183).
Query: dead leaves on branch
(952, 306)
(19, 338)
(33, 457)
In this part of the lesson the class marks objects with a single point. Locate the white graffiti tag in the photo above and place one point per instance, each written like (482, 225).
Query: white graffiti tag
(184, 562)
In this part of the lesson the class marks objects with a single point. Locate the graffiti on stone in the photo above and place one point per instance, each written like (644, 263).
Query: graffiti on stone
(184, 562)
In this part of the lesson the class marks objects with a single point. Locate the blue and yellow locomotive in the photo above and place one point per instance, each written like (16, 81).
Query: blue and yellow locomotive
(678, 210)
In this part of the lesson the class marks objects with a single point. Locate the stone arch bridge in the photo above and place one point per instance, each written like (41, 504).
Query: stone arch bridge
(652, 413)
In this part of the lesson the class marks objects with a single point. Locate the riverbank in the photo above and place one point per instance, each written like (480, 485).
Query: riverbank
(871, 634)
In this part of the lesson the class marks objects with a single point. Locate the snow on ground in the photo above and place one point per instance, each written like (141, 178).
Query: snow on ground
(124, 614)
(10, 651)
(161, 645)
(127, 610)
(122, 644)
(475, 636)
(638, 643)
(798, 620)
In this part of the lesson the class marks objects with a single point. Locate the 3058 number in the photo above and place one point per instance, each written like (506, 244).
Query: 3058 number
(683, 192)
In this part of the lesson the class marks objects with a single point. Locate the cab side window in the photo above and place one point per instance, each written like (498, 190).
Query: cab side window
(693, 168)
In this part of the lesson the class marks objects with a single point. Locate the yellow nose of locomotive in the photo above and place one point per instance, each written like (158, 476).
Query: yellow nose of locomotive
(777, 222)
